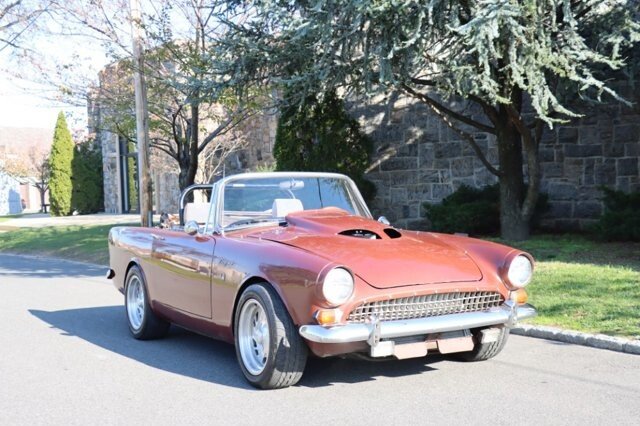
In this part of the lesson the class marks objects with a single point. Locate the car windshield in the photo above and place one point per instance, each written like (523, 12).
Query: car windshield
(263, 200)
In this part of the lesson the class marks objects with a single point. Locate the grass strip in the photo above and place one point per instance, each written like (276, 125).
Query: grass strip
(584, 285)
(79, 243)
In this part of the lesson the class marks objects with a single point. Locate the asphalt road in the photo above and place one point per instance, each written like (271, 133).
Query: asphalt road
(66, 357)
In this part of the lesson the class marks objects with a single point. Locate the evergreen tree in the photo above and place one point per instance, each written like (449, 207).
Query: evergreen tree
(88, 194)
(320, 136)
(60, 185)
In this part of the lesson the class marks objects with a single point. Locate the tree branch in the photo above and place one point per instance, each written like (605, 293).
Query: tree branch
(160, 148)
(469, 138)
(436, 105)
(489, 110)
(223, 128)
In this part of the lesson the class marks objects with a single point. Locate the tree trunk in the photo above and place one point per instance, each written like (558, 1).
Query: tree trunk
(42, 192)
(513, 226)
(186, 177)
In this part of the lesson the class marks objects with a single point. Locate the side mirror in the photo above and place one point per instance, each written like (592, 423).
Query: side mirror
(384, 221)
(191, 227)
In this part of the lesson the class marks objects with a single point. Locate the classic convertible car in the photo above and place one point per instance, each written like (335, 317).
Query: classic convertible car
(287, 264)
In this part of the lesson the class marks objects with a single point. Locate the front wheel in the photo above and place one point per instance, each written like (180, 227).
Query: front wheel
(269, 349)
(144, 324)
(485, 351)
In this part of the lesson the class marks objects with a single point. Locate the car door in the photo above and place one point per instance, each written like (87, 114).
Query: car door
(183, 271)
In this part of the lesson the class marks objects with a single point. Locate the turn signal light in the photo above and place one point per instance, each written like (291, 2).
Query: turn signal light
(328, 316)
(520, 296)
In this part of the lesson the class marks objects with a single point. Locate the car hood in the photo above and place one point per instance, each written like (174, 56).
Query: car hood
(394, 259)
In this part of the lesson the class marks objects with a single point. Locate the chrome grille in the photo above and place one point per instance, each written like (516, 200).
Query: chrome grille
(426, 306)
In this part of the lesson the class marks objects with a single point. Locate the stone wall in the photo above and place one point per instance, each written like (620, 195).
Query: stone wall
(419, 159)
(110, 169)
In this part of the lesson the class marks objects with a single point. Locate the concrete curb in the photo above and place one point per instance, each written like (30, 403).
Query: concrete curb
(600, 341)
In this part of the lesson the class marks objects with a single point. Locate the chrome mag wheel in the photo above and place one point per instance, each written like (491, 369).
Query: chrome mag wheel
(135, 302)
(253, 336)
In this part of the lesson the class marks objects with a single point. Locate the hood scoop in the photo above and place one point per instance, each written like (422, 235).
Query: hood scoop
(360, 233)
(334, 221)
(370, 235)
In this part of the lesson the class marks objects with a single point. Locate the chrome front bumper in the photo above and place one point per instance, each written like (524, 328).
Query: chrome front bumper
(508, 314)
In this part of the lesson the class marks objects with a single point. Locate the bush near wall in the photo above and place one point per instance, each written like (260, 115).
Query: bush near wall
(87, 178)
(621, 218)
(320, 136)
(475, 211)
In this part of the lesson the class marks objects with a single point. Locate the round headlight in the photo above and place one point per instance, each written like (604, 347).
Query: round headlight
(338, 286)
(520, 271)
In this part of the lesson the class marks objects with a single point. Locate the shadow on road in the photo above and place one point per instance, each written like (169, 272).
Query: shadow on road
(42, 267)
(198, 357)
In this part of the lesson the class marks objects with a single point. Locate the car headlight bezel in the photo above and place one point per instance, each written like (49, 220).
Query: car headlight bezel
(519, 271)
(338, 286)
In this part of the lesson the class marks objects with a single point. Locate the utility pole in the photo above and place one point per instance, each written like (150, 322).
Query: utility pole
(142, 118)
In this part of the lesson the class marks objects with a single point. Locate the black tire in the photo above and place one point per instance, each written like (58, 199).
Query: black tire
(287, 353)
(485, 351)
(152, 326)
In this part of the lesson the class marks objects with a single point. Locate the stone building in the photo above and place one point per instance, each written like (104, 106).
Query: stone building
(419, 159)
(119, 154)
(119, 158)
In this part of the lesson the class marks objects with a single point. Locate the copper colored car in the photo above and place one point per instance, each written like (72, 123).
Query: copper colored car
(285, 265)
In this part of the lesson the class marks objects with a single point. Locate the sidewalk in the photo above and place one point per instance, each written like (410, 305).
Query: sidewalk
(41, 220)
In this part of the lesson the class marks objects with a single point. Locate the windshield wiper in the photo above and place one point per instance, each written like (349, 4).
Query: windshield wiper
(250, 222)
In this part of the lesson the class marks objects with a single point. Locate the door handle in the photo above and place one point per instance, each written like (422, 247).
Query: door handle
(157, 237)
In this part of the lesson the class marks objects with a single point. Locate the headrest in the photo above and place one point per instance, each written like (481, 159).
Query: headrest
(283, 206)
(196, 211)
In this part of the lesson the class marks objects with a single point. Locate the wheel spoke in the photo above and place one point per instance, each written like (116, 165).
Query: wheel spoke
(253, 336)
(135, 302)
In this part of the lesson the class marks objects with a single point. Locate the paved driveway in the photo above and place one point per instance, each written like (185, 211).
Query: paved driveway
(66, 357)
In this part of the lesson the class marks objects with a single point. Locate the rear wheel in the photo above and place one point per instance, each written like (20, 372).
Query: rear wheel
(485, 351)
(269, 349)
(144, 324)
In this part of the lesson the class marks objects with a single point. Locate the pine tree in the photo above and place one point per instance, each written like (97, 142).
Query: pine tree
(88, 195)
(60, 185)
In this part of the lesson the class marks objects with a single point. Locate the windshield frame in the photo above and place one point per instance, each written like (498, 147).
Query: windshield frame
(217, 196)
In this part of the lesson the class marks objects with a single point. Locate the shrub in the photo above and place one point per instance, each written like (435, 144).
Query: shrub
(88, 194)
(621, 218)
(60, 186)
(475, 211)
(321, 136)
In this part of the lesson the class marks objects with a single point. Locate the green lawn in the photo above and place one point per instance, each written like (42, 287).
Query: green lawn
(584, 285)
(81, 243)
(579, 284)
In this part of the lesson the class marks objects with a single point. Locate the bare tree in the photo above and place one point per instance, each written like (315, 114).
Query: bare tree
(41, 172)
(215, 155)
(18, 17)
(14, 162)
(184, 118)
